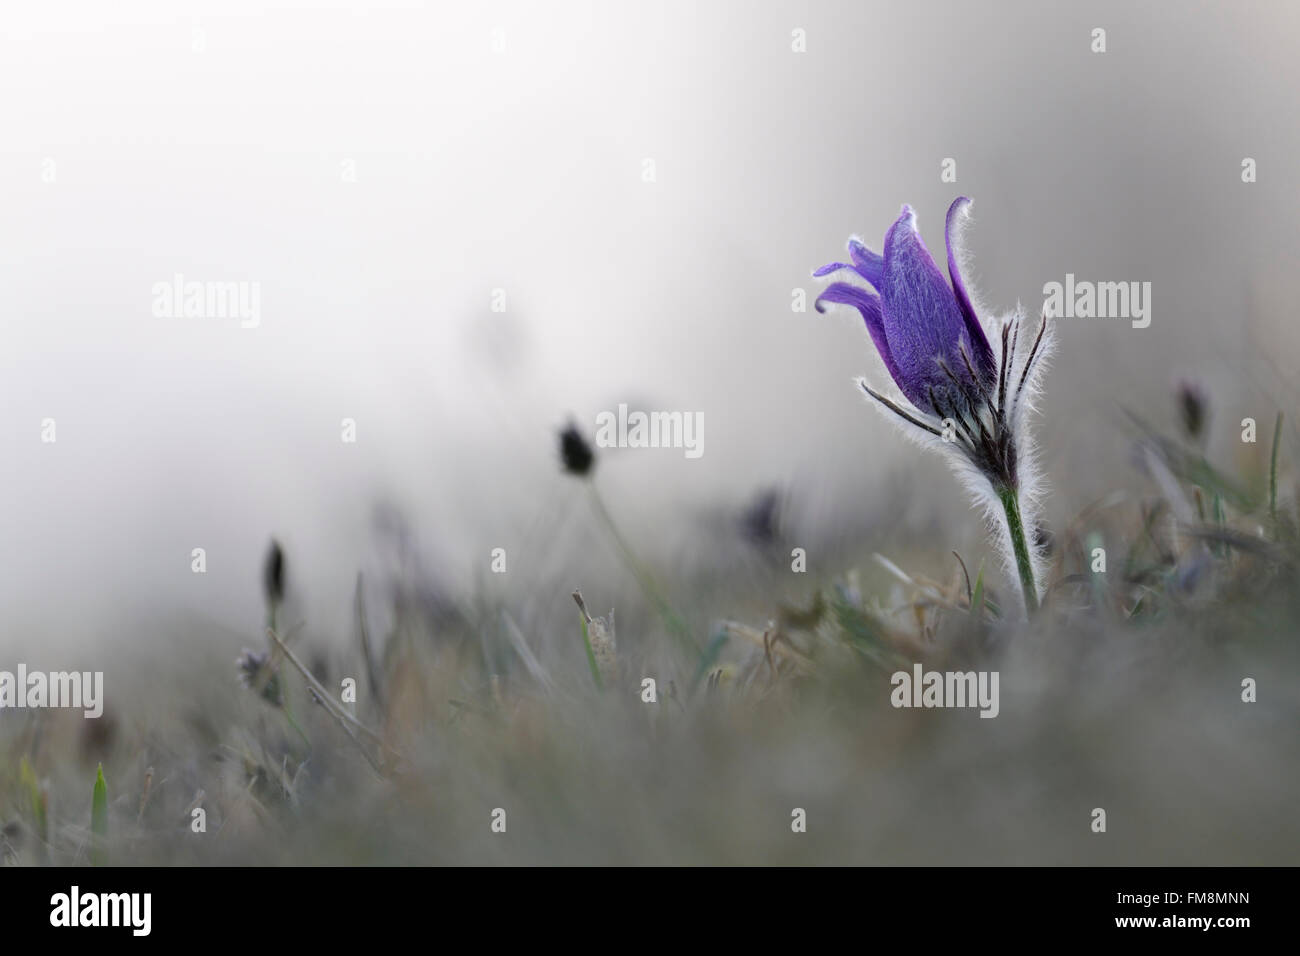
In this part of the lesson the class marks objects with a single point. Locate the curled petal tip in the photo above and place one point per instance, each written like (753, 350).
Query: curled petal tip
(819, 304)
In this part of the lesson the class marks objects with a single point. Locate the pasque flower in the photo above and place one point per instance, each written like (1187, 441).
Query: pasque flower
(960, 393)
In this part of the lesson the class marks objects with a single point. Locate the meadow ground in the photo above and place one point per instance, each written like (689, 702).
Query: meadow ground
(1164, 690)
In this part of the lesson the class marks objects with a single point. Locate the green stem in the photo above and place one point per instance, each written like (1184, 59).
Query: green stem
(288, 715)
(676, 626)
(1272, 470)
(1011, 505)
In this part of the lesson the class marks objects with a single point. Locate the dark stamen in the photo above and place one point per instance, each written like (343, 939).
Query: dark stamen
(1006, 364)
(1033, 354)
(970, 367)
(901, 413)
(946, 412)
(969, 416)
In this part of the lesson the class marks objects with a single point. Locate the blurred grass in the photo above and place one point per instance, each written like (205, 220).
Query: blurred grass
(99, 819)
(1125, 692)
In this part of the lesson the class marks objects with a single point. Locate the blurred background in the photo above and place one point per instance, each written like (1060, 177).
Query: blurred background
(380, 169)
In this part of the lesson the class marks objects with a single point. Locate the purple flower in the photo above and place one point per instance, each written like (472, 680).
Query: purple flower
(966, 399)
(934, 346)
(926, 331)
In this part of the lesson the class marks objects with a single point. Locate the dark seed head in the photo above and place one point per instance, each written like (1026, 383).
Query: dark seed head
(273, 574)
(256, 673)
(575, 451)
(761, 520)
(1192, 408)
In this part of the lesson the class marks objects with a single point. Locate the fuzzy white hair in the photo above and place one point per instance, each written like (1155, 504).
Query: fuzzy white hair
(1019, 388)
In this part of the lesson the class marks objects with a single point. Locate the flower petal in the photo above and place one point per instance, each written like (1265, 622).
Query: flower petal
(865, 263)
(828, 269)
(922, 321)
(869, 265)
(982, 358)
(868, 303)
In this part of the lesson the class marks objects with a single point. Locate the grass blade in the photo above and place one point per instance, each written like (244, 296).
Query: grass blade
(583, 617)
(99, 820)
(39, 806)
(1272, 470)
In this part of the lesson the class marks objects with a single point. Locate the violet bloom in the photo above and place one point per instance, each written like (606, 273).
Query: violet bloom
(961, 394)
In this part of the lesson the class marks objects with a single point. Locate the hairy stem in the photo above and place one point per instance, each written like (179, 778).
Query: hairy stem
(1011, 505)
